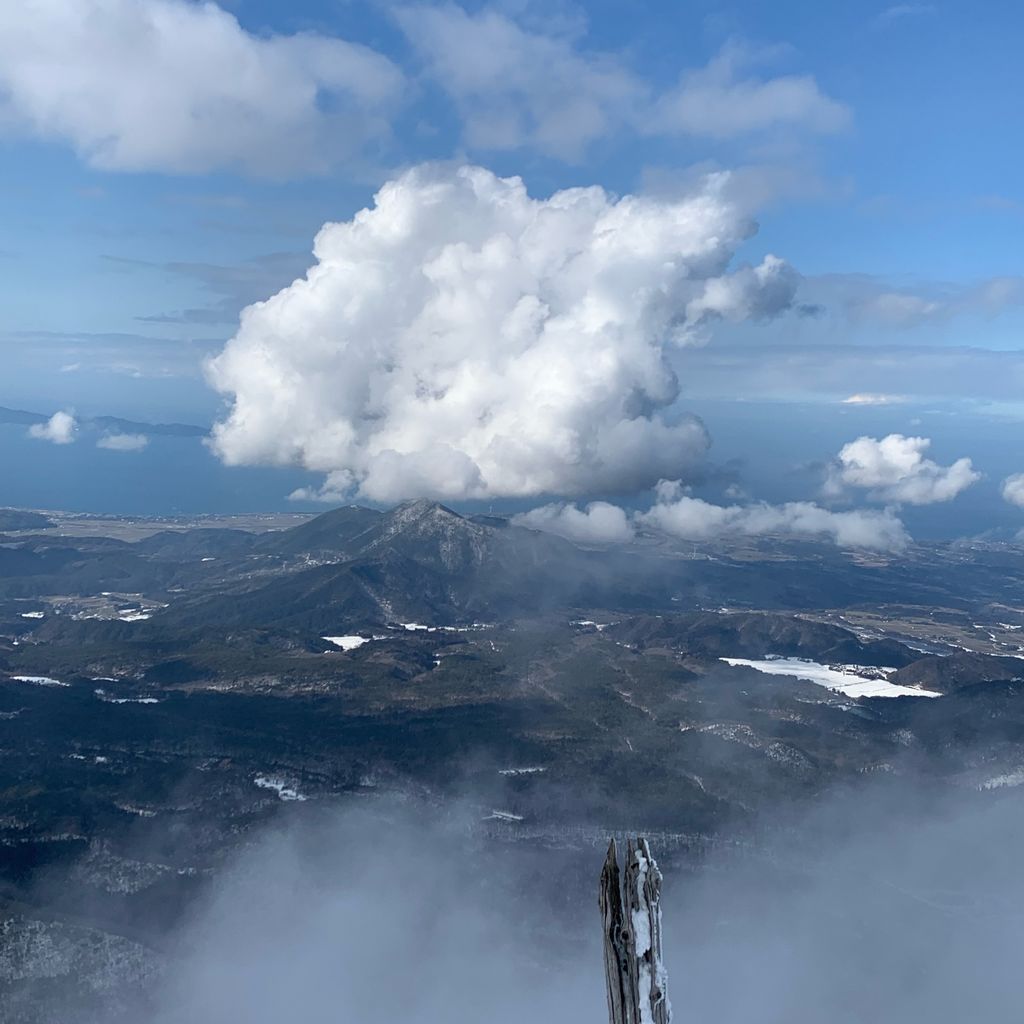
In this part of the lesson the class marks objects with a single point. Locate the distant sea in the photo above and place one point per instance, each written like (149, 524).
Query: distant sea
(771, 451)
(171, 475)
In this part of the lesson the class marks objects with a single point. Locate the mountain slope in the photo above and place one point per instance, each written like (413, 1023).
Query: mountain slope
(419, 562)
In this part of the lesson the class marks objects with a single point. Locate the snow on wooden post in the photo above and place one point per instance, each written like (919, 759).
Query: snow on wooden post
(637, 984)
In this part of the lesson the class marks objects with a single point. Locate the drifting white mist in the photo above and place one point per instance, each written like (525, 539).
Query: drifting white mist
(887, 904)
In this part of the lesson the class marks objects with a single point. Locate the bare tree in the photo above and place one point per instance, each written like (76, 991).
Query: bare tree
(637, 984)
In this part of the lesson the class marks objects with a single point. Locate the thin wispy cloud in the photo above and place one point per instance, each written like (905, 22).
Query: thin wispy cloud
(123, 442)
(900, 11)
(727, 100)
(517, 88)
(230, 285)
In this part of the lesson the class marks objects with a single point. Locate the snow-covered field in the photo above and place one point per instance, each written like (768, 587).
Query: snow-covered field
(846, 681)
(107, 699)
(415, 627)
(347, 643)
(352, 642)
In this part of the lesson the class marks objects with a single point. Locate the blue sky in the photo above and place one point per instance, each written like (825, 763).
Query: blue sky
(920, 189)
(148, 195)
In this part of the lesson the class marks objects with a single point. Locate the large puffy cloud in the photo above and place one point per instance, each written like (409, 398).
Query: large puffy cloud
(895, 469)
(464, 340)
(170, 85)
(1013, 489)
(680, 515)
(598, 523)
(60, 428)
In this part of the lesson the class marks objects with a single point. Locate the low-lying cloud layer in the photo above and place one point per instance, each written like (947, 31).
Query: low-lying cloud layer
(693, 519)
(368, 920)
(364, 920)
(461, 340)
(893, 469)
(677, 514)
(597, 523)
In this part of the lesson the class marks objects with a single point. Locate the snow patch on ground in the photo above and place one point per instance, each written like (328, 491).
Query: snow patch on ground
(279, 786)
(107, 699)
(843, 679)
(1008, 781)
(503, 816)
(39, 680)
(347, 643)
(417, 627)
(142, 812)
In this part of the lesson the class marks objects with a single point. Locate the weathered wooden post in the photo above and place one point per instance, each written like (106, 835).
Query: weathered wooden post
(635, 977)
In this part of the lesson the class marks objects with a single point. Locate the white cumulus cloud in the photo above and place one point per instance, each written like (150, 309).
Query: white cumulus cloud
(170, 85)
(58, 429)
(461, 339)
(597, 523)
(895, 469)
(690, 518)
(123, 442)
(1013, 489)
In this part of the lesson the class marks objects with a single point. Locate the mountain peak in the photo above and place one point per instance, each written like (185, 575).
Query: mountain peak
(419, 509)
